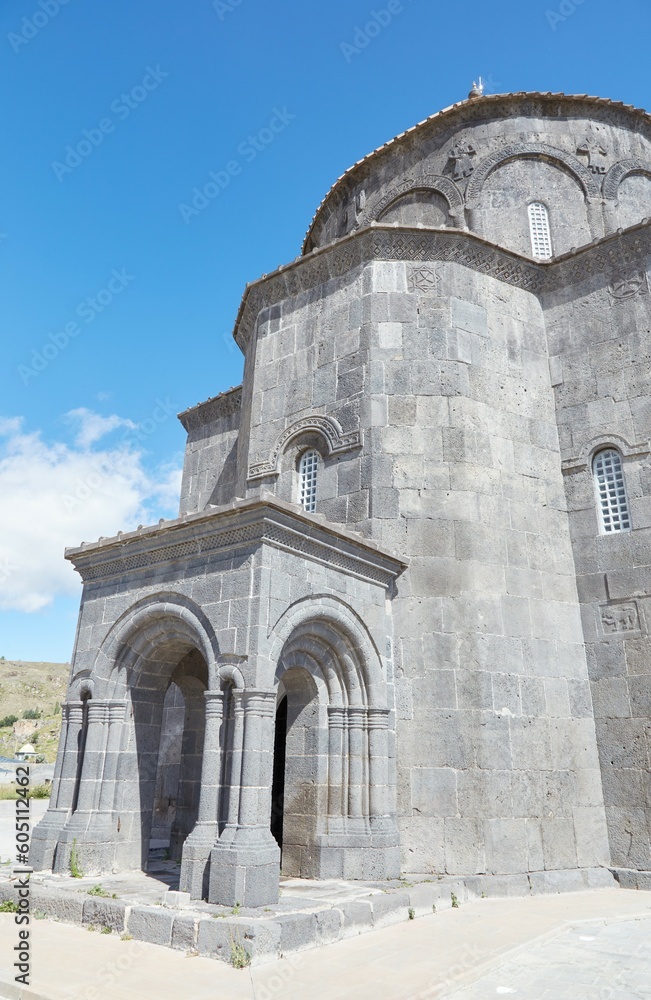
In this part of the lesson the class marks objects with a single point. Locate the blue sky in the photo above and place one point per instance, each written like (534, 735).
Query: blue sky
(118, 303)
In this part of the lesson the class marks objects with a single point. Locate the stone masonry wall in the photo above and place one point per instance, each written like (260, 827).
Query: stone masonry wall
(445, 373)
(498, 768)
(601, 362)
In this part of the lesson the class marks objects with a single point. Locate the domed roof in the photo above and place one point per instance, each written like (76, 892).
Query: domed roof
(473, 110)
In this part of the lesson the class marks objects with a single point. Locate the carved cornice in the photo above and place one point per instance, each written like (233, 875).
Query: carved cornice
(327, 428)
(216, 408)
(606, 256)
(246, 524)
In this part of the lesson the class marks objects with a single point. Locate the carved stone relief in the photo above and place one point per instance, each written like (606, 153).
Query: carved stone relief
(423, 279)
(595, 151)
(627, 285)
(461, 155)
(620, 618)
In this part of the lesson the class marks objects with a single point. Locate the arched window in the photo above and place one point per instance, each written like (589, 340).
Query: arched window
(541, 238)
(611, 491)
(307, 473)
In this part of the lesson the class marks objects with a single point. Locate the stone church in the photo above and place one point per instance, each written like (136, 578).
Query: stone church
(401, 621)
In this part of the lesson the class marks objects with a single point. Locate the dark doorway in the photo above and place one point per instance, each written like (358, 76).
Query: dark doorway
(278, 783)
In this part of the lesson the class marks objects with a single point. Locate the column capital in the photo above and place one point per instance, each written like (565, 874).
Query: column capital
(73, 710)
(337, 716)
(117, 710)
(98, 711)
(261, 703)
(214, 701)
(378, 718)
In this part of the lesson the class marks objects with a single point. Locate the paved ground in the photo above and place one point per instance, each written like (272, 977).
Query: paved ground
(607, 962)
(8, 823)
(499, 945)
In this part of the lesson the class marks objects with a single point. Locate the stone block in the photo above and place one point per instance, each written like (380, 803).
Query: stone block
(468, 316)
(150, 923)
(357, 916)
(630, 878)
(389, 908)
(329, 925)
(218, 937)
(58, 904)
(434, 791)
(297, 931)
(570, 880)
(184, 932)
(111, 913)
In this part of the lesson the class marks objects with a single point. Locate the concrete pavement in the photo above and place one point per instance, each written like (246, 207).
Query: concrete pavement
(422, 959)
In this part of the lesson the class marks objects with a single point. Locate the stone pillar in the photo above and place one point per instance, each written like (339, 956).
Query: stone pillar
(195, 861)
(235, 751)
(46, 834)
(92, 824)
(611, 217)
(380, 808)
(93, 762)
(337, 786)
(596, 217)
(245, 865)
(116, 710)
(356, 768)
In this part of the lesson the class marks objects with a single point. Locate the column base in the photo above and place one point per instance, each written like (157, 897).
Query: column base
(94, 838)
(45, 838)
(245, 871)
(195, 860)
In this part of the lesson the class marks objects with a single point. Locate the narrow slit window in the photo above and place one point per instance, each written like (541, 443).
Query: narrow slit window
(541, 237)
(307, 474)
(611, 491)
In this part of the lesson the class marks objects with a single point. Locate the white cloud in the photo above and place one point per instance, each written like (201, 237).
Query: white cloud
(92, 427)
(57, 494)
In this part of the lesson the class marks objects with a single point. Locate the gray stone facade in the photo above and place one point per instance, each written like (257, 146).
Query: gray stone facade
(464, 656)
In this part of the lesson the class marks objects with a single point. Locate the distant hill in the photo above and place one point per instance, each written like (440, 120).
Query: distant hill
(32, 687)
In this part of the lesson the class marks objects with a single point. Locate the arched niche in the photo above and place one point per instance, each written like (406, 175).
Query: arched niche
(501, 212)
(431, 200)
(420, 207)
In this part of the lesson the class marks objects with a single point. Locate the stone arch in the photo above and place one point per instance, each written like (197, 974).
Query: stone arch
(619, 171)
(163, 639)
(162, 617)
(328, 432)
(622, 212)
(338, 622)
(435, 183)
(338, 787)
(529, 150)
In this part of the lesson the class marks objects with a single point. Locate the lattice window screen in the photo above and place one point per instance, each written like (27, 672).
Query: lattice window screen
(541, 238)
(307, 472)
(611, 491)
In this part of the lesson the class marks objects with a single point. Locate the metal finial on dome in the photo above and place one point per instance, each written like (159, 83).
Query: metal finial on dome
(477, 89)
